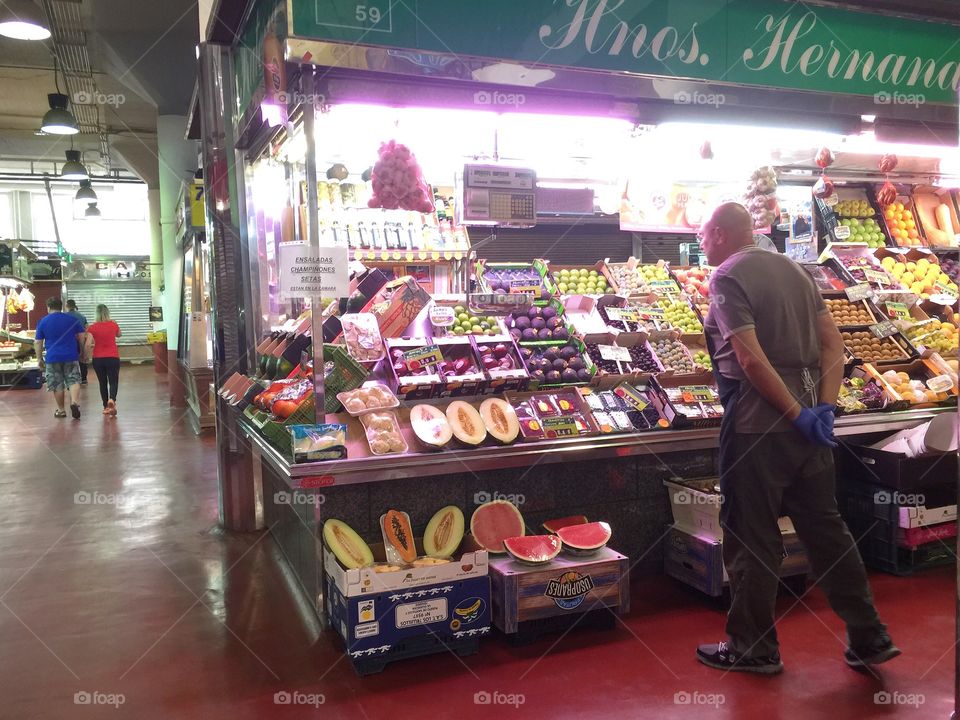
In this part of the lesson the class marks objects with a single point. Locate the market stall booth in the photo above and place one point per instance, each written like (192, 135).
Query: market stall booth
(473, 289)
(18, 365)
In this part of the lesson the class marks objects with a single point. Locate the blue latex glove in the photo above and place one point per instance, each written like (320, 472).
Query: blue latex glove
(815, 430)
(827, 415)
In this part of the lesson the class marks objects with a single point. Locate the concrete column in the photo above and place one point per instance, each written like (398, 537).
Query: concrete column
(156, 248)
(178, 162)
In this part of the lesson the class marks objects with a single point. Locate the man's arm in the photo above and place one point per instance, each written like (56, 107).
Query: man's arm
(767, 381)
(38, 348)
(831, 359)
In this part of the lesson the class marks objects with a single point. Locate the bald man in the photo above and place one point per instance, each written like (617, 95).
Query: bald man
(778, 358)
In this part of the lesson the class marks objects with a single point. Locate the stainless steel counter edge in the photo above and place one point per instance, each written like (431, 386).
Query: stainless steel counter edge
(394, 467)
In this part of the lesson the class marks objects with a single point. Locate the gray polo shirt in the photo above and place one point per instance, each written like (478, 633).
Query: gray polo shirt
(773, 295)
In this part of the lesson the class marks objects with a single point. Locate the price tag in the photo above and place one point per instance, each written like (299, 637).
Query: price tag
(861, 291)
(940, 383)
(667, 286)
(898, 310)
(651, 312)
(623, 314)
(560, 427)
(832, 200)
(942, 289)
(614, 352)
(695, 393)
(877, 276)
(841, 232)
(519, 287)
(419, 358)
(631, 395)
(884, 329)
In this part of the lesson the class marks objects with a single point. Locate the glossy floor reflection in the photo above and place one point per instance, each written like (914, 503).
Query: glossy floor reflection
(114, 580)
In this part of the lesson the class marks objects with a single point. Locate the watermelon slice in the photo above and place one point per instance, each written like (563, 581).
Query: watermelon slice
(585, 539)
(551, 526)
(494, 522)
(533, 549)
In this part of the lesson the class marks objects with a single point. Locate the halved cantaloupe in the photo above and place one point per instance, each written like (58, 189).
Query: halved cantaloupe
(500, 419)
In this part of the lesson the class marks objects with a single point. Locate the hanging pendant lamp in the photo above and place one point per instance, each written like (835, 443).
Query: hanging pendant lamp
(73, 169)
(92, 212)
(86, 193)
(59, 120)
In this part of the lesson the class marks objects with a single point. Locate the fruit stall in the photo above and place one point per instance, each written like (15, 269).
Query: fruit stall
(497, 375)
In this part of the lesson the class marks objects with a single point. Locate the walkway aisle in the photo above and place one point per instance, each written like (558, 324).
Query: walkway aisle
(114, 580)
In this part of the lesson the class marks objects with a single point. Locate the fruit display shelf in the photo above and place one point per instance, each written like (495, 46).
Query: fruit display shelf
(695, 283)
(633, 278)
(362, 467)
(918, 271)
(864, 345)
(516, 277)
(846, 313)
(853, 216)
(911, 382)
(579, 280)
(901, 222)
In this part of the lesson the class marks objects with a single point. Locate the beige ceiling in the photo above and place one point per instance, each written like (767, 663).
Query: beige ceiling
(143, 62)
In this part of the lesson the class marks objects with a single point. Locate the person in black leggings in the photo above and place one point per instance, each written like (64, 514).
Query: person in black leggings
(106, 357)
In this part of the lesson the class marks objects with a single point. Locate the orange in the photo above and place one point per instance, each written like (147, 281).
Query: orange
(889, 213)
(898, 206)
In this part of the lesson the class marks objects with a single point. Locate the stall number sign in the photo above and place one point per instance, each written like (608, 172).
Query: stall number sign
(523, 287)
(841, 232)
(898, 310)
(422, 357)
(630, 395)
(614, 352)
(559, 427)
(694, 393)
(424, 612)
(313, 272)
(884, 329)
(861, 291)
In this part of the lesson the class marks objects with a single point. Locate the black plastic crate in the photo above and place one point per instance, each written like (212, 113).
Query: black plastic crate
(872, 512)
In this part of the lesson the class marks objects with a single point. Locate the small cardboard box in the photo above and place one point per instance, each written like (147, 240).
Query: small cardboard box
(698, 561)
(397, 305)
(696, 508)
(373, 612)
(469, 384)
(411, 387)
(922, 516)
(566, 585)
(498, 380)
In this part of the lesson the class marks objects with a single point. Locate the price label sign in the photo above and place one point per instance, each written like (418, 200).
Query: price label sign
(877, 276)
(419, 358)
(560, 427)
(942, 289)
(695, 393)
(614, 352)
(884, 329)
(651, 312)
(631, 395)
(841, 232)
(522, 287)
(832, 200)
(861, 291)
(666, 286)
(898, 310)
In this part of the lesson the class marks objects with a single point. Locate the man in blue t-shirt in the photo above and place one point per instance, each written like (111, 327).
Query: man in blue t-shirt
(59, 334)
(72, 310)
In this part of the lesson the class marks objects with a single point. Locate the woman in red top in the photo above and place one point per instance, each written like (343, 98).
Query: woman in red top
(106, 357)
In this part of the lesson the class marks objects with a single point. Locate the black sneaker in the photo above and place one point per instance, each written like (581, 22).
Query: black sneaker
(720, 656)
(879, 651)
(75, 411)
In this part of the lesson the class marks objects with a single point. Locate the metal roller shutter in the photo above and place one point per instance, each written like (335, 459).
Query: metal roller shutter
(129, 304)
(573, 244)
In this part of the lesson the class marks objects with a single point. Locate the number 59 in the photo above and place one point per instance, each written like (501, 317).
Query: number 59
(365, 13)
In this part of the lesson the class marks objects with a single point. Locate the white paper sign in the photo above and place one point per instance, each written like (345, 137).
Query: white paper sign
(308, 273)
(614, 352)
(424, 612)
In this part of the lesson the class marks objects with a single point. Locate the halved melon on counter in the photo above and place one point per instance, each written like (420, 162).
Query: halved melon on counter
(430, 425)
(500, 419)
(466, 423)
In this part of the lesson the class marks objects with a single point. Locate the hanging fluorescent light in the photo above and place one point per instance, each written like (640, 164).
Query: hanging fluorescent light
(59, 120)
(86, 193)
(92, 212)
(23, 20)
(73, 169)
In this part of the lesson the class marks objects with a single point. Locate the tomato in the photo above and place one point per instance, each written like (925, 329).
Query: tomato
(284, 408)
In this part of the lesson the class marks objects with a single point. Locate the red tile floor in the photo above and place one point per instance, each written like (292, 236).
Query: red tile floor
(136, 593)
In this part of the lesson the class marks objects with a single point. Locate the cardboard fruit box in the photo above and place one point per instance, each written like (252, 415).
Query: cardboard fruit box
(381, 616)
(687, 401)
(566, 586)
(397, 305)
(412, 387)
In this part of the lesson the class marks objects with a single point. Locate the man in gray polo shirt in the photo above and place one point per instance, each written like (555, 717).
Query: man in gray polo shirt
(778, 358)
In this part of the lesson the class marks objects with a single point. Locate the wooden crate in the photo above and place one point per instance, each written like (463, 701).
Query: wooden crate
(522, 593)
